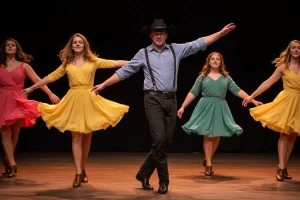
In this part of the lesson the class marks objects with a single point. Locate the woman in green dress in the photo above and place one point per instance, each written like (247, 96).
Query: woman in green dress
(212, 117)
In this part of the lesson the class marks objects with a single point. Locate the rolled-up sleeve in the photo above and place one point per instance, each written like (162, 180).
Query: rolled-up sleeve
(132, 67)
(186, 49)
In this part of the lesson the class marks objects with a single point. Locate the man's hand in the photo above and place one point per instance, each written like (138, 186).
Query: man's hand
(227, 29)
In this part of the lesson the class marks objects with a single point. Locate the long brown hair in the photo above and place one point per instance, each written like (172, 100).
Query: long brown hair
(67, 55)
(285, 56)
(20, 54)
(207, 68)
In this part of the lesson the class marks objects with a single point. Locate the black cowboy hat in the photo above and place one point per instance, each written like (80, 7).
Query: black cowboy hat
(159, 25)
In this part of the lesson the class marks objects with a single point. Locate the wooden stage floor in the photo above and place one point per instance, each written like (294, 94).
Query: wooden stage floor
(112, 176)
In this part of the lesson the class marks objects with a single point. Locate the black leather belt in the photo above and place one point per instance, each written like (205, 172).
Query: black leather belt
(164, 95)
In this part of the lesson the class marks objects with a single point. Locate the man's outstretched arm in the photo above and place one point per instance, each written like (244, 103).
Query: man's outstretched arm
(110, 81)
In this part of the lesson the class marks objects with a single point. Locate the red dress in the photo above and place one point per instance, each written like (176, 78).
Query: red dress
(14, 106)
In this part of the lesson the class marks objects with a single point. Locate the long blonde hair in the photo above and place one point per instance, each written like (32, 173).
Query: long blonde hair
(285, 56)
(206, 67)
(67, 55)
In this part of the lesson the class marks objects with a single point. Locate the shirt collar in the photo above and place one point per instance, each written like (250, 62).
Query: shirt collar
(151, 47)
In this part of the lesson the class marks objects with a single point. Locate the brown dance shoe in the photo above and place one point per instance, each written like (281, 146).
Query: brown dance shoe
(208, 171)
(77, 180)
(84, 177)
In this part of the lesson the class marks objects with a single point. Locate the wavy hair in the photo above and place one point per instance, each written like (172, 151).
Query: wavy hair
(20, 54)
(285, 56)
(67, 54)
(207, 68)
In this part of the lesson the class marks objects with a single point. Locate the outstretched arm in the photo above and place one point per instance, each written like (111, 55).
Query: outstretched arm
(106, 63)
(35, 79)
(243, 95)
(39, 84)
(110, 81)
(237, 91)
(58, 73)
(215, 36)
(189, 48)
(265, 85)
(120, 63)
(129, 69)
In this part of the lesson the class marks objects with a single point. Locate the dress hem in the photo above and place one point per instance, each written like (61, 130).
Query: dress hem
(189, 131)
(265, 123)
(103, 126)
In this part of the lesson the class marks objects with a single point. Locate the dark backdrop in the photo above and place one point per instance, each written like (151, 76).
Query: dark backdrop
(113, 29)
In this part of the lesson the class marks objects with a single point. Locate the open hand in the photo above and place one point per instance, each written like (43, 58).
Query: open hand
(227, 29)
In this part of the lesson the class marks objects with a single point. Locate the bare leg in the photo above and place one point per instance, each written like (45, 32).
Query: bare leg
(86, 145)
(290, 146)
(77, 150)
(208, 149)
(15, 128)
(215, 144)
(7, 144)
(282, 149)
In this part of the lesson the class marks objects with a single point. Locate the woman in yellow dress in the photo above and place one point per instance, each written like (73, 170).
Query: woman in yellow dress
(283, 113)
(80, 111)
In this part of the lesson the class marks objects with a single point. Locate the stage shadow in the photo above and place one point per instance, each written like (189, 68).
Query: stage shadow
(83, 192)
(290, 185)
(89, 192)
(170, 195)
(16, 182)
(210, 179)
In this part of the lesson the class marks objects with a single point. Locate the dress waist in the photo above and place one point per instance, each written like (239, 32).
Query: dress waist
(11, 88)
(295, 91)
(81, 87)
(214, 98)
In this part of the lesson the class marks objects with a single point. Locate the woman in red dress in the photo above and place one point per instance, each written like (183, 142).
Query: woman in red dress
(16, 110)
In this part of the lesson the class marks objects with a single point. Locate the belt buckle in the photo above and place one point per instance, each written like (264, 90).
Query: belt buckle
(165, 95)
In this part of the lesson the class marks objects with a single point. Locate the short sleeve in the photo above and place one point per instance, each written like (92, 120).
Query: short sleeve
(232, 87)
(196, 89)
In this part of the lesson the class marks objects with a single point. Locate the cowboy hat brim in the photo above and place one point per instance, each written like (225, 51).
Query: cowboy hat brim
(170, 30)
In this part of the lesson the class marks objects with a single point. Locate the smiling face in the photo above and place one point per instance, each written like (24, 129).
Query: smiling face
(215, 61)
(77, 45)
(159, 38)
(295, 49)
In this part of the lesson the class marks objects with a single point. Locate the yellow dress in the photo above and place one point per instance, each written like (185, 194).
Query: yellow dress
(81, 110)
(283, 114)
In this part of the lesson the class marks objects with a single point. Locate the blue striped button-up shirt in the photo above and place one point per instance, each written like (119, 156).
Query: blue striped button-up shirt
(162, 64)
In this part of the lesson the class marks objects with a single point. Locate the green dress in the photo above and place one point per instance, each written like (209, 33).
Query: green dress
(211, 116)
